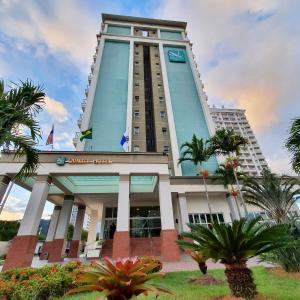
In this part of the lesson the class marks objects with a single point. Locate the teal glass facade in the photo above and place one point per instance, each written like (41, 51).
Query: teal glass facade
(108, 117)
(189, 117)
(170, 35)
(118, 30)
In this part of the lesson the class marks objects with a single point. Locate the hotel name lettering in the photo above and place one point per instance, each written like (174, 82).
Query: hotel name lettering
(61, 161)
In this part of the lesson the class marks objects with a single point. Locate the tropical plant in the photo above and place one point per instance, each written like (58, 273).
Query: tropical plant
(227, 142)
(120, 280)
(288, 257)
(233, 245)
(152, 260)
(18, 109)
(200, 259)
(272, 193)
(197, 152)
(225, 171)
(293, 144)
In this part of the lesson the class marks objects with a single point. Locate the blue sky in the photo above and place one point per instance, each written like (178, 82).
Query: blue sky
(247, 53)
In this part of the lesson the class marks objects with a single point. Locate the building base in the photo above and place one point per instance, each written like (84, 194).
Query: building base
(74, 249)
(169, 249)
(21, 252)
(45, 250)
(56, 251)
(121, 244)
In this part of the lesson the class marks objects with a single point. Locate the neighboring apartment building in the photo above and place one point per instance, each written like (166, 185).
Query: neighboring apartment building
(251, 157)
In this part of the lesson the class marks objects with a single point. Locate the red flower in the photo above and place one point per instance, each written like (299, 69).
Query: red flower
(204, 173)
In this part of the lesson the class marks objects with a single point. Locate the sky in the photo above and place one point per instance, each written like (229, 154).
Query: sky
(248, 54)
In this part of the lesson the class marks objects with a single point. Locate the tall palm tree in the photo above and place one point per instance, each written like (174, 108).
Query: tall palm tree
(227, 142)
(293, 144)
(233, 245)
(226, 173)
(197, 152)
(274, 194)
(18, 109)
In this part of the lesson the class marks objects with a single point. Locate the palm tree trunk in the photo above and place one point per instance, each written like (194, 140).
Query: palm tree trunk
(237, 204)
(240, 280)
(207, 197)
(240, 192)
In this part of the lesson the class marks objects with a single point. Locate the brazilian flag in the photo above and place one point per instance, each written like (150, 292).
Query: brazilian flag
(87, 134)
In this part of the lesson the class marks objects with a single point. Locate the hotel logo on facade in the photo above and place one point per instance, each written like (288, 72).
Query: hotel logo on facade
(61, 161)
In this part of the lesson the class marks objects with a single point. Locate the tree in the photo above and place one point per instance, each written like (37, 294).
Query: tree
(197, 152)
(233, 245)
(8, 230)
(18, 109)
(293, 144)
(226, 173)
(227, 142)
(274, 194)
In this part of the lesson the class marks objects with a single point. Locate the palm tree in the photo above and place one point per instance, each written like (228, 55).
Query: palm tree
(293, 144)
(197, 152)
(233, 245)
(227, 142)
(18, 109)
(226, 173)
(274, 194)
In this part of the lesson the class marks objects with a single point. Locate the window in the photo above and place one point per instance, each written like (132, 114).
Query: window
(205, 219)
(136, 148)
(156, 55)
(158, 74)
(136, 53)
(136, 113)
(164, 131)
(166, 149)
(136, 130)
(159, 85)
(136, 98)
(157, 64)
(163, 114)
(136, 84)
(161, 99)
(136, 62)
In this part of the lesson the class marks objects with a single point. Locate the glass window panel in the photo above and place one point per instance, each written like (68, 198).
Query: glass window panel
(221, 218)
(191, 220)
(215, 218)
(196, 218)
(203, 219)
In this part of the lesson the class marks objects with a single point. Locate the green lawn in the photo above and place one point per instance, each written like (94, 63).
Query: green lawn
(269, 285)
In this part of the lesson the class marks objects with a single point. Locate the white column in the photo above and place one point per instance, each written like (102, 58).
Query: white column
(64, 218)
(101, 220)
(34, 209)
(78, 223)
(4, 182)
(165, 203)
(171, 122)
(183, 210)
(92, 230)
(53, 223)
(123, 204)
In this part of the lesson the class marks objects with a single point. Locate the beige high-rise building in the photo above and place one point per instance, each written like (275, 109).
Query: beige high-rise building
(251, 157)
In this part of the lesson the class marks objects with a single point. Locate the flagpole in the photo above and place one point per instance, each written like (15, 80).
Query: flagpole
(52, 136)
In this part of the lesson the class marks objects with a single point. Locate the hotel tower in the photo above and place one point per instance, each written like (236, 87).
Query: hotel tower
(144, 85)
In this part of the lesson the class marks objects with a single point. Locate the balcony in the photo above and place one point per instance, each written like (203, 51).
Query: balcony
(92, 68)
(86, 92)
(90, 78)
(94, 58)
(79, 121)
(76, 138)
(83, 105)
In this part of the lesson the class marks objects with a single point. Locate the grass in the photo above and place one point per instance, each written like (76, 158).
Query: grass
(268, 285)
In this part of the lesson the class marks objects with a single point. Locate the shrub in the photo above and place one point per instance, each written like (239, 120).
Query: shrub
(200, 259)
(120, 280)
(152, 260)
(39, 284)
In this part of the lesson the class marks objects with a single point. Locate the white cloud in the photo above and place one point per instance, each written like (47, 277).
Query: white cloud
(56, 110)
(14, 209)
(66, 28)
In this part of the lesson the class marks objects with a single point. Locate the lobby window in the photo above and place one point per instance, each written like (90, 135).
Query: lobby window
(136, 113)
(136, 130)
(164, 131)
(137, 98)
(136, 148)
(163, 114)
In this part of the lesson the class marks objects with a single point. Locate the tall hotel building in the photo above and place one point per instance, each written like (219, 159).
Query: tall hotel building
(144, 80)
(251, 157)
